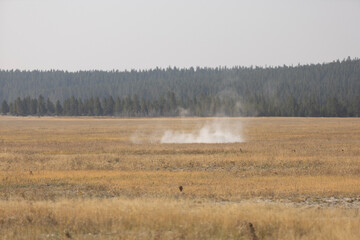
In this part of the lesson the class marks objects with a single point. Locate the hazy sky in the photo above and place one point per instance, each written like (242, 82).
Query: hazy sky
(142, 34)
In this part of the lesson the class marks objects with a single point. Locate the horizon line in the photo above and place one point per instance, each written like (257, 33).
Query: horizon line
(184, 68)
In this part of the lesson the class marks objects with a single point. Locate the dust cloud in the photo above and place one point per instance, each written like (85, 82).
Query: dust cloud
(215, 131)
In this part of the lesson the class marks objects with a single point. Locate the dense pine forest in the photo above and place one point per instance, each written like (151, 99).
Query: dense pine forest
(329, 89)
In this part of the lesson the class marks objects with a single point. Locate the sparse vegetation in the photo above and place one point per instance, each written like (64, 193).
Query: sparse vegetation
(84, 178)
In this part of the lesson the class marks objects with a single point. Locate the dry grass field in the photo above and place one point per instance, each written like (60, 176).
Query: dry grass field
(109, 178)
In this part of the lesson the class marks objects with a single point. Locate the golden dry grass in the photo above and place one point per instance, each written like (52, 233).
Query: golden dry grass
(148, 218)
(293, 178)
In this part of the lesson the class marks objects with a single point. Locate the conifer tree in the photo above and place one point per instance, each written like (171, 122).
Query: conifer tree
(33, 107)
(118, 107)
(4, 107)
(41, 108)
(58, 108)
(12, 110)
(98, 111)
(50, 107)
(19, 107)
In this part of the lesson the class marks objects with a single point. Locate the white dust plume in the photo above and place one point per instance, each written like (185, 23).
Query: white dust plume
(216, 131)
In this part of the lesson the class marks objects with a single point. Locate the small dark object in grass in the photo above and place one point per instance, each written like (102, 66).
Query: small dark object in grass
(67, 234)
(181, 188)
(252, 231)
(30, 172)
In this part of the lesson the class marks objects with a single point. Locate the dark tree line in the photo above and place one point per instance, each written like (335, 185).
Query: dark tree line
(169, 105)
(329, 89)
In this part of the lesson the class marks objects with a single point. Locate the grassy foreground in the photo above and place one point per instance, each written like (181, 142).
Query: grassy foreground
(88, 178)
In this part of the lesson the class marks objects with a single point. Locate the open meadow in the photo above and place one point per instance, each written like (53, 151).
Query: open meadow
(111, 178)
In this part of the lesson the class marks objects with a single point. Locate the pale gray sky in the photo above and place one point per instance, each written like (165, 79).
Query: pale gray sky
(141, 34)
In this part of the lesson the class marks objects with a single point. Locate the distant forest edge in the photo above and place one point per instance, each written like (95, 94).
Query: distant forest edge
(170, 106)
(328, 89)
